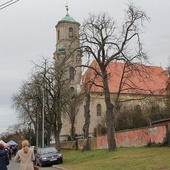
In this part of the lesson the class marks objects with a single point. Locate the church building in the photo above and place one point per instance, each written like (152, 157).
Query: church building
(148, 89)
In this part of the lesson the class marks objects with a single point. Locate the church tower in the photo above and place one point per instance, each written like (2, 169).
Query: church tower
(67, 49)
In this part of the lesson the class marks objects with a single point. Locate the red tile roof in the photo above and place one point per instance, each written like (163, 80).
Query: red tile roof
(149, 80)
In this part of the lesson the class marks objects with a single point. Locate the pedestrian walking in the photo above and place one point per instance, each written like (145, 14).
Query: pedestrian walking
(25, 157)
(4, 159)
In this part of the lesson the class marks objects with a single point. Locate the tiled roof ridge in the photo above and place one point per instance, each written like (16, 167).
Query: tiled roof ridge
(155, 81)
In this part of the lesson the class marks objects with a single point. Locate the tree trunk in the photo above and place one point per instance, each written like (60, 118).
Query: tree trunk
(57, 138)
(57, 131)
(109, 116)
(86, 145)
(72, 134)
(48, 135)
(110, 126)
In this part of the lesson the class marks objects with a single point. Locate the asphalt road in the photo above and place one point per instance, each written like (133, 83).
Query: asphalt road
(15, 166)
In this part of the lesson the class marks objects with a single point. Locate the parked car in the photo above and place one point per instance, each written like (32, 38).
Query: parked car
(48, 156)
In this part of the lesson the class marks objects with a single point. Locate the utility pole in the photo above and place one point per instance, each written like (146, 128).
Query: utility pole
(37, 129)
(43, 119)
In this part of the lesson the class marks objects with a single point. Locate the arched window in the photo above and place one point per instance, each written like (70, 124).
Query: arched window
(99, 109)
(155, 113)
(138, 107)
(70, 32)
(58, 34)
(158, 109)
(138, 110)
(71, 89)
(71, 73)
(84, 110)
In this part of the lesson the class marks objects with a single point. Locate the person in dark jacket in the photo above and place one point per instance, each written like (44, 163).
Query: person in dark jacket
(4, 160)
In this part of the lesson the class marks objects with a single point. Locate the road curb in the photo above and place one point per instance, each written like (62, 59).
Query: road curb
(59, 168)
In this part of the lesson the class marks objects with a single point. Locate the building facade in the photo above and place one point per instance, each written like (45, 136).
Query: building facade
(139, 90)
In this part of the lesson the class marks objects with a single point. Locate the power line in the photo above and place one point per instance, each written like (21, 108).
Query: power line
(6, 4)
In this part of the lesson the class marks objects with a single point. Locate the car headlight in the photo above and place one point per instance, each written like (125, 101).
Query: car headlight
(60, 154)
(44, 158)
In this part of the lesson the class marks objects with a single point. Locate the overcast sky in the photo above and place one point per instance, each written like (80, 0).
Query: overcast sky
(27, 32)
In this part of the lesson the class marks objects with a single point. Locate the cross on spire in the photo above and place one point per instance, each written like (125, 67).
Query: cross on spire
(66, 8)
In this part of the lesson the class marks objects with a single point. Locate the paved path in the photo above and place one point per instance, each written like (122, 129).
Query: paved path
(15, 166)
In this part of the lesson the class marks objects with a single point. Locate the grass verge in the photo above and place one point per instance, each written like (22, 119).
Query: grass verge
(142, 158)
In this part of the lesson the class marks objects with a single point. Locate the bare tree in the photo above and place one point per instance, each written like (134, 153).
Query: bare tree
(86, 145)
(29, 104)
(103, 42)
(23, 104)
(87, 86)
(48, 81)
(71, 109)
(55, 85)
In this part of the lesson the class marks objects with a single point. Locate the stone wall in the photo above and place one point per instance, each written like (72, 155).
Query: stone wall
(136, 137)
(128, 138)
(78, 144)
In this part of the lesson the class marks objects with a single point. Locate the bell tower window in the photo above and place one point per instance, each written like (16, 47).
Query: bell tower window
(99, 109)
(58, 35)
(71, 73)
(70, 32)
(71, 89)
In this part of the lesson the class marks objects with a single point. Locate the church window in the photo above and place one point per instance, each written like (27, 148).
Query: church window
(71, 89)
(138, 107)
(72, 73)
(84, 110)
(58, 34)
(70, 32)
(99, 110)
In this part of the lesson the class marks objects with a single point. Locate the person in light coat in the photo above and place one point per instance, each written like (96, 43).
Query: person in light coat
(25, 157)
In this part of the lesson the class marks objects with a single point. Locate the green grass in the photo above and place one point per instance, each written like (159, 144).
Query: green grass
(143, 158)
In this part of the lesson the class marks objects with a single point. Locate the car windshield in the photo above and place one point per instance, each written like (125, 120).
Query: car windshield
(47, 150)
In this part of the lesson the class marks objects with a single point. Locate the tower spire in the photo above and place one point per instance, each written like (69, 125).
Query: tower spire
(66, 7)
